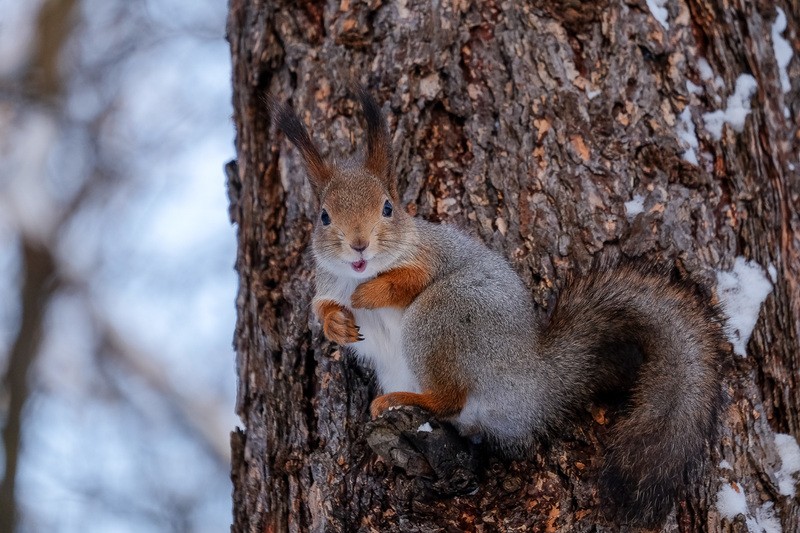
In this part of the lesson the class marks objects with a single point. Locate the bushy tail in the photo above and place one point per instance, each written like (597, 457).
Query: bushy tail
(617, 321)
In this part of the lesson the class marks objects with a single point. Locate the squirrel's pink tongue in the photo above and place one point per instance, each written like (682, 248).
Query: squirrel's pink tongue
(359, 266)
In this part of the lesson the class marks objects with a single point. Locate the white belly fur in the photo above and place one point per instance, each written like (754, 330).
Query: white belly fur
(382, 347)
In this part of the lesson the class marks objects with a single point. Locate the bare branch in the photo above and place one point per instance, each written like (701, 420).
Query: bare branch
(37, 290)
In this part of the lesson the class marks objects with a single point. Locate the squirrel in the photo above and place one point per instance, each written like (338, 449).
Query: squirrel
(449, 326)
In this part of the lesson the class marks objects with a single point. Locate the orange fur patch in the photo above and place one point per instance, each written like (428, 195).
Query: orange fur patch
(394, 288)
(441, 405)
(338, 323)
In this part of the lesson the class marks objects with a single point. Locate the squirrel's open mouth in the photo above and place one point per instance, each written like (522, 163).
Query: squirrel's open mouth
(359, 265)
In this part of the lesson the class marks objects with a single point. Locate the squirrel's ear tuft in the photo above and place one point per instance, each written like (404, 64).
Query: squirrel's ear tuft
(319, 173)
(378, 159)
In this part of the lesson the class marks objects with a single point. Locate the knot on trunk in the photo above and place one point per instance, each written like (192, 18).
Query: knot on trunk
(442, 462)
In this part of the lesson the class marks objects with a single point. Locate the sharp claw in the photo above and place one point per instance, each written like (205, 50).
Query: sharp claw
(361, 337)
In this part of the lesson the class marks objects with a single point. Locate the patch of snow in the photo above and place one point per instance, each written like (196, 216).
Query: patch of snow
(725, 465)
(426, 428)
(706, 73)
(737, 110)
(692, 88)
(764, 520)
(659, 12)
(592, 94)
(634, 207)
(686, 132)
(783, 50)
(741, 293)
(789, 452)
(773, 273)
(731, 501)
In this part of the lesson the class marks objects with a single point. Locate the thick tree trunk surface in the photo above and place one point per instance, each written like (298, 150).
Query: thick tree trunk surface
(530, 124)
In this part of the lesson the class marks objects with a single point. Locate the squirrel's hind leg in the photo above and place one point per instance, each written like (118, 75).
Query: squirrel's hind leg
(440, 403)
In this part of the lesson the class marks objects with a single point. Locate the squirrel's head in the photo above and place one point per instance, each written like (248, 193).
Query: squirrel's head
(360, 228)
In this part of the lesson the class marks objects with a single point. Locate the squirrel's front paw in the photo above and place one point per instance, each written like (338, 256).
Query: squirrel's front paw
(371, 294)
(340, 327)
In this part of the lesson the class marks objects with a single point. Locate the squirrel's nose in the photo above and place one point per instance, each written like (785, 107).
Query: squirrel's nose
(359, 245)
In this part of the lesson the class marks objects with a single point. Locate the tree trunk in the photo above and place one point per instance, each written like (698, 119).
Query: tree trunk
(530, 125)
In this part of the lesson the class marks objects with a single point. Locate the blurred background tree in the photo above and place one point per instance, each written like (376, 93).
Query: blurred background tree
(116, 287)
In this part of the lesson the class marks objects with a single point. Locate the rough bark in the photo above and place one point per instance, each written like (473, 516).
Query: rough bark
(530, 125)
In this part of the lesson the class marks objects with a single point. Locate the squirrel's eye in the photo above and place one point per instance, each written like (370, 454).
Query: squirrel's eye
(387, 208)
(325, 217)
